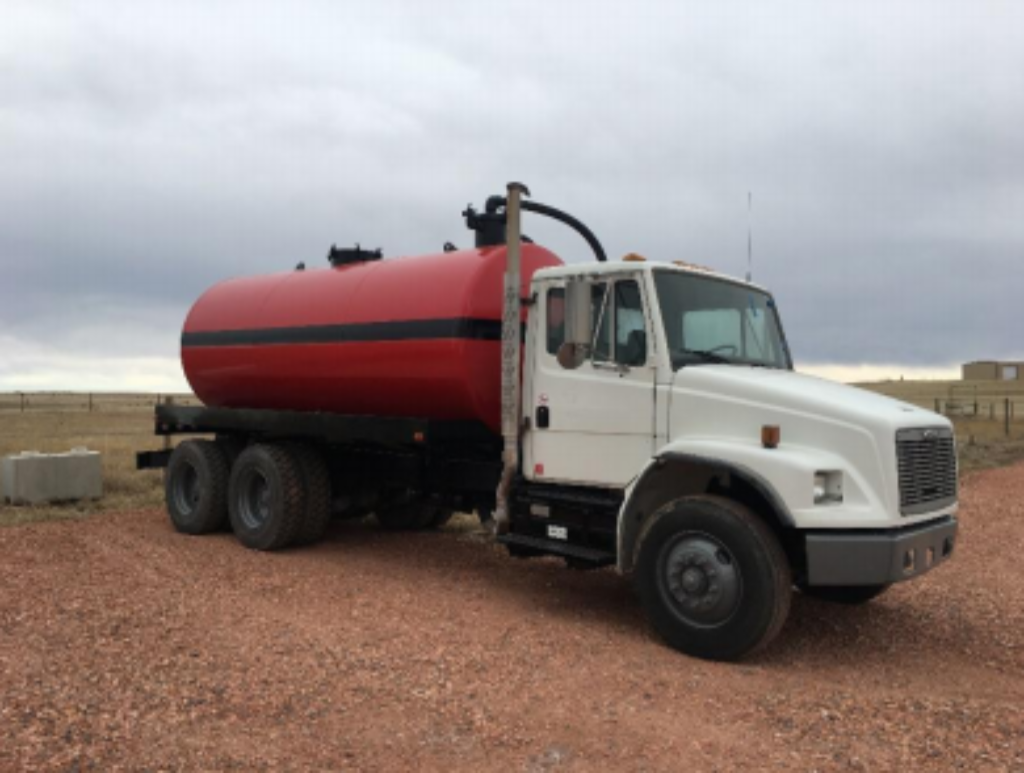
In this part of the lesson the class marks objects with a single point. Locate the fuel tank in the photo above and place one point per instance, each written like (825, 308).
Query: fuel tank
(411, 336)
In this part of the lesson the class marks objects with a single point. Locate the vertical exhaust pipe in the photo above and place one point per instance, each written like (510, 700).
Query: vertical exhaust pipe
(511, 354)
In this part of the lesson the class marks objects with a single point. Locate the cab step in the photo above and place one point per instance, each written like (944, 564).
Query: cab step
(524, 546)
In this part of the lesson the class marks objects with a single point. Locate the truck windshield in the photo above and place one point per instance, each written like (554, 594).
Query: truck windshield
(710, 320)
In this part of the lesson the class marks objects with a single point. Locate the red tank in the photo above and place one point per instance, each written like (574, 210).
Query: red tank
(414, 336)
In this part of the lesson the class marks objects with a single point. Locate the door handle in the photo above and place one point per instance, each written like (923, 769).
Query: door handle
(543, 417)
(615, 367)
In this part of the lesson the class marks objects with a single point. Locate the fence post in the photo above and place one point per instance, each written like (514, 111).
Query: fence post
(167, 438)
(90, 402)
(1006, 417)
(22, 402)
(938, 407)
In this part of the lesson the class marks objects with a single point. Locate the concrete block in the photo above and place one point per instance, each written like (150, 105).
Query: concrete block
(31, 478)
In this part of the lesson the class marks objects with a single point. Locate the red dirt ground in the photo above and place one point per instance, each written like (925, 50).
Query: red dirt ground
(124, 645)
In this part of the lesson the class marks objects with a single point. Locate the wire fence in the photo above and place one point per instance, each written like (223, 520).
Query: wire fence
(992, 409)
(87, 402)
(958, 404)
(989, 410)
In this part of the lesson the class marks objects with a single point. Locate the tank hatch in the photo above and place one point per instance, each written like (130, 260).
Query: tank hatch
(346, 255)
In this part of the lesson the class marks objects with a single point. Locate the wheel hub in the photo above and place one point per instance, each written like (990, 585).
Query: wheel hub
(254, 500)
(695, 582)
(702, 579)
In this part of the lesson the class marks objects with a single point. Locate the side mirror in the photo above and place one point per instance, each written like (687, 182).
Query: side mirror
(576, 349)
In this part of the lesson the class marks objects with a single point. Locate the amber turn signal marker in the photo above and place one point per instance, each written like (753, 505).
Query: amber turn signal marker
(770, 436)
(418, 437)
(633, 258)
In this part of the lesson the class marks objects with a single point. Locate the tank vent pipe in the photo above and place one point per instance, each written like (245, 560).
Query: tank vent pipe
(511, 354)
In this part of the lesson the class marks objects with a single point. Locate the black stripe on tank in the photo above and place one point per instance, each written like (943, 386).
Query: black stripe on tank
(411, 330)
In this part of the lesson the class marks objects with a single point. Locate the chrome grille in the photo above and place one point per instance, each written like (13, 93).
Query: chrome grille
(927, 469)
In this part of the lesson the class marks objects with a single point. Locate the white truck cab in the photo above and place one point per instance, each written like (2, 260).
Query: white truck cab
(678, 399)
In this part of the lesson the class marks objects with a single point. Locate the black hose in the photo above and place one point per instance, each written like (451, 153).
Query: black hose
(569, 220)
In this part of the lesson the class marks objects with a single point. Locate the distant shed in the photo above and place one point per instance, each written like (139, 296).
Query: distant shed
(993, 370)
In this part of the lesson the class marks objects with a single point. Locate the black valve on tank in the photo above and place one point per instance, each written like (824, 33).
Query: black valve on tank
(489, 225)
(355, 254)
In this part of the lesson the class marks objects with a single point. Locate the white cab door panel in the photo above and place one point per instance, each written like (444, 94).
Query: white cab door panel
(601, 416)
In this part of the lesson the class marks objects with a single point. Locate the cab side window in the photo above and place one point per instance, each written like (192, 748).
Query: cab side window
(630, 329)
(602, 323)
(618, 325)
(620, 328)
(555, 319)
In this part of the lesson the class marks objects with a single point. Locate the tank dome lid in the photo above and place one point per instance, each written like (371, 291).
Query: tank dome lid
(355, 254)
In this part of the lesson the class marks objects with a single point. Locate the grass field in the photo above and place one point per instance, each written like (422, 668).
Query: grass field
(967, 399)
(117, 427)
(978, 410)
(120, 425)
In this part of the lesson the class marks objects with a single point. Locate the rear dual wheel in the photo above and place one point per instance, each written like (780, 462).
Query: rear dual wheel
(196, 487)
(316, 484)
(273, 495)
(265, 497)
(279, 495)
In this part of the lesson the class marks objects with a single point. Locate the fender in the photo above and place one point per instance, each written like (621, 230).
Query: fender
(674, 474)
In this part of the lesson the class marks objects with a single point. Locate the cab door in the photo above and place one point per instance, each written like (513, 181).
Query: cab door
(593, 425)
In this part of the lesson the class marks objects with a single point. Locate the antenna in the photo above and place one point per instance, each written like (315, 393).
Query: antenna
(750, 237)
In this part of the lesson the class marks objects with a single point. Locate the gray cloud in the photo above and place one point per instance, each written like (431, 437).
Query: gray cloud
(150, 149)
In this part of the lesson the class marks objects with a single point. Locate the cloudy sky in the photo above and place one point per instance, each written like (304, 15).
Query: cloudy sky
(149, 149)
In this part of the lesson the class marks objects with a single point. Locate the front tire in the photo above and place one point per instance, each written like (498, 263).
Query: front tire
(713, 578)
(851, 595)
(266, 500)
(196, 487)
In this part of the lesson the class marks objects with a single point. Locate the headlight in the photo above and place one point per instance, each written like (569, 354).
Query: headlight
(828, 487)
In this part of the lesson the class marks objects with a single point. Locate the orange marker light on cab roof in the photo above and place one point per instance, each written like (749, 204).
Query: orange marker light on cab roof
(771, 435)
(633, 258)
(697, 266)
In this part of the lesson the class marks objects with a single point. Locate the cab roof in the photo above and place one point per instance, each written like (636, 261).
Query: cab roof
(646, 266)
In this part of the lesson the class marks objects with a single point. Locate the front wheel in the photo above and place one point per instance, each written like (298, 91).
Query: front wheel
(844, 594)
(713, 578)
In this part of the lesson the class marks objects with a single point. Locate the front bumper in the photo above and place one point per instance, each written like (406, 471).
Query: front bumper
(877, 557)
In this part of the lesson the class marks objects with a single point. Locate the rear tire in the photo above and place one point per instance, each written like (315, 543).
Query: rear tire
(196, 487)
(316, 481)
(713, 578)
(851, 595)
(266, 500)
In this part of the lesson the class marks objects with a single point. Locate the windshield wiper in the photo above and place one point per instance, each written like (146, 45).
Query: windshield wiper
(706, 355)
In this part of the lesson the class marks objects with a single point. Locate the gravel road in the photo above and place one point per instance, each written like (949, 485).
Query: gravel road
(124, 645)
